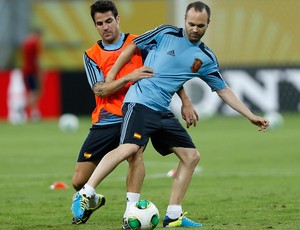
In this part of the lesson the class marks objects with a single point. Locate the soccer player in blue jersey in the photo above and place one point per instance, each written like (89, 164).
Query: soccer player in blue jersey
(176, 55)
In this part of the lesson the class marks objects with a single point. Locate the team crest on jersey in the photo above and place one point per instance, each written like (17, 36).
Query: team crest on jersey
(196, 65)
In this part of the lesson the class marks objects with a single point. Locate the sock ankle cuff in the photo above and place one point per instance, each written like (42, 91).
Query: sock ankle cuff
(88, 190)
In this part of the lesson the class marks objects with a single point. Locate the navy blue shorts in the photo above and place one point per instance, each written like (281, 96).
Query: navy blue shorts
(100, 140)
(141, 123)
(31, 82)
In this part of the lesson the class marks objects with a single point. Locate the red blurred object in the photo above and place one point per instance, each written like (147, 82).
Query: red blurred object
(50, 100)
(59, 185)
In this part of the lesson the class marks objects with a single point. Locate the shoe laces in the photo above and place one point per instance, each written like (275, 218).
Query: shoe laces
(84, 202)
(185, 218)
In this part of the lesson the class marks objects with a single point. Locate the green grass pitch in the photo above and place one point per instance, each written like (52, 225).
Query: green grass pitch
(245, 180)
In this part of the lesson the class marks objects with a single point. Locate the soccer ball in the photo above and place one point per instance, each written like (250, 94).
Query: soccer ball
(276, 119)
(142, 215)
(68, 122)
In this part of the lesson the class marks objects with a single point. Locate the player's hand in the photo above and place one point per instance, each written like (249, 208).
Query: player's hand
(140, 73)
(189, 114)
(261, 122)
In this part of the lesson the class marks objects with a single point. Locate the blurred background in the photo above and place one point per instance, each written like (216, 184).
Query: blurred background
(256, 42)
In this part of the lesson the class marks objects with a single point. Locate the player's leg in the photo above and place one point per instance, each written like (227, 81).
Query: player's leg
(174, 138)
(33, 97)
(189, 158)
(133, 138)
(175, 217)
(80, 205)
(134, 182)
(110, 161)
(144, 123)
(135, 176)
(100, 140)
(83, 171)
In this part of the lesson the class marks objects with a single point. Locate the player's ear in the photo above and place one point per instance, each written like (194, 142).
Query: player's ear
(118, 19)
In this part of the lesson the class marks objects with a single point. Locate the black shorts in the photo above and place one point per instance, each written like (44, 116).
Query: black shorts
(100, 140)
(140, 123)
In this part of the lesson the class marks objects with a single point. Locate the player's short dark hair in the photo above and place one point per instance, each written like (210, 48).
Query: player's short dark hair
(199, 6)
(103, 6)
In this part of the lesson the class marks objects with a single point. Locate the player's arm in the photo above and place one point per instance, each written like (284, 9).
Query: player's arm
(124, 57)
(188, 112)
(96, 79)
(102, 89)
(229, 97)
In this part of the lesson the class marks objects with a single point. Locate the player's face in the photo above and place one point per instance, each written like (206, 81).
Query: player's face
(196, 23)
(107, 26)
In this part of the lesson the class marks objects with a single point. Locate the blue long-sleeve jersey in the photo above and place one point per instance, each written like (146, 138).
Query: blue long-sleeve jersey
(174, 60)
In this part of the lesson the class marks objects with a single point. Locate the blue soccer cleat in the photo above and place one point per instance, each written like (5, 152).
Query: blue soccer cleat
(182, 221)
(80, 208)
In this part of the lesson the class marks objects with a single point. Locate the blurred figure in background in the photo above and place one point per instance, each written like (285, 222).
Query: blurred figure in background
(31, 53)
(16, 98)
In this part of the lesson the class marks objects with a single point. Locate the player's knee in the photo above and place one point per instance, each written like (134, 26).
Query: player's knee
(77, 185)
(135, 159)
(193, 158)
(127, 151)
